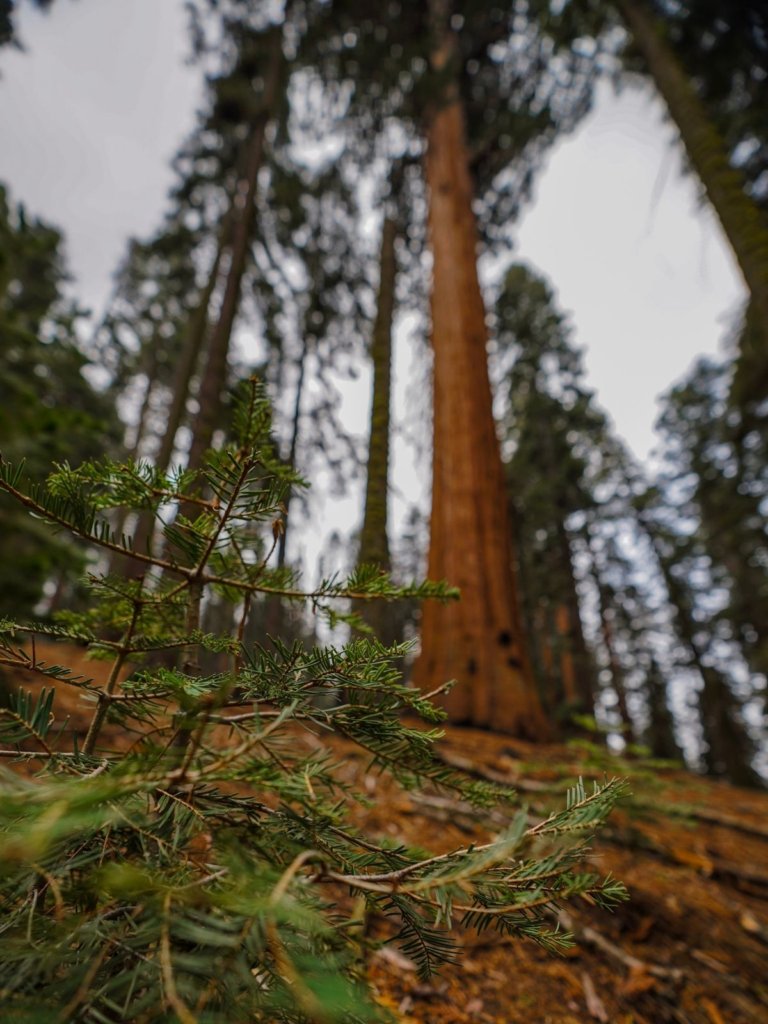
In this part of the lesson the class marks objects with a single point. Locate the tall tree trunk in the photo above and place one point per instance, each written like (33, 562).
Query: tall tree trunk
(476, 640)
(181, 386)
(729, 745)
(569, 698)
(275, 608)
(544, 641)
(741, 219)
(295, 428)
(214, 376)
(190, 354)
(618, 682)
(583, 699)
(528, 613)
(118, 563)
(661, 727)
(374, 542)
(150, 372)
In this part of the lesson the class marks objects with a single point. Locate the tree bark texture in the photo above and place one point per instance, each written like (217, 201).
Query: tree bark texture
(214, 376)
(476, 640)
(742, 221)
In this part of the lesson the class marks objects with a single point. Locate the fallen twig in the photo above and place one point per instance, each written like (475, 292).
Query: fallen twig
(591, 937)
(595, 1005)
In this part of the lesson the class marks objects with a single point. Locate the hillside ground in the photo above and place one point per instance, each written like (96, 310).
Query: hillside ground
(689, 947)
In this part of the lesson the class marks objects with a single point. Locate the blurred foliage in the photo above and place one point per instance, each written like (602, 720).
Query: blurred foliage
(49, 411)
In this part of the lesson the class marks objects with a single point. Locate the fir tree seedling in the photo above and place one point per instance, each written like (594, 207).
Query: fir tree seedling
(191, 857)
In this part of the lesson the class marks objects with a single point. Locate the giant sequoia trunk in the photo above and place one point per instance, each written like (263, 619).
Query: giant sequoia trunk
(742, 221)
(476, 640)
(214, 375)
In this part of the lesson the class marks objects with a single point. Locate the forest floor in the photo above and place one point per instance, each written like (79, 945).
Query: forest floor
(689, 947)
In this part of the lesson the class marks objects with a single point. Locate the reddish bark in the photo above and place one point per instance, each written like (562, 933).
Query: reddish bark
(477, 640)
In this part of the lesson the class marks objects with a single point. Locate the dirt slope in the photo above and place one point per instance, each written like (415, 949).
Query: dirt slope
(691, 945)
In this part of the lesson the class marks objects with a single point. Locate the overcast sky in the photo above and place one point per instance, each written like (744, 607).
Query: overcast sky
(90, 116)
(93, 111)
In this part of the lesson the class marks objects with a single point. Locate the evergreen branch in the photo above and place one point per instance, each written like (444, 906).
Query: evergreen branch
(57, 672)
(239, 752)
(27, 729)
(439, 591)
(47, 629)
(101, 710)
(392, 881)
(101, 538)
(223, 519)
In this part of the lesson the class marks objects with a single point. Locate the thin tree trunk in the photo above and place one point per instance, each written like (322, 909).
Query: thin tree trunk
(214, 375)
(729, 746)
(526, 612)
(182, 383)
(617, 674)
(295, 428)
(274, 615)
(374, 542)
(661, 729)
(476, 640)
(190, 355)
(741, 219)
(618, 683)
(564, 645)
(118, 563)
(583, 691)
(150, 371)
